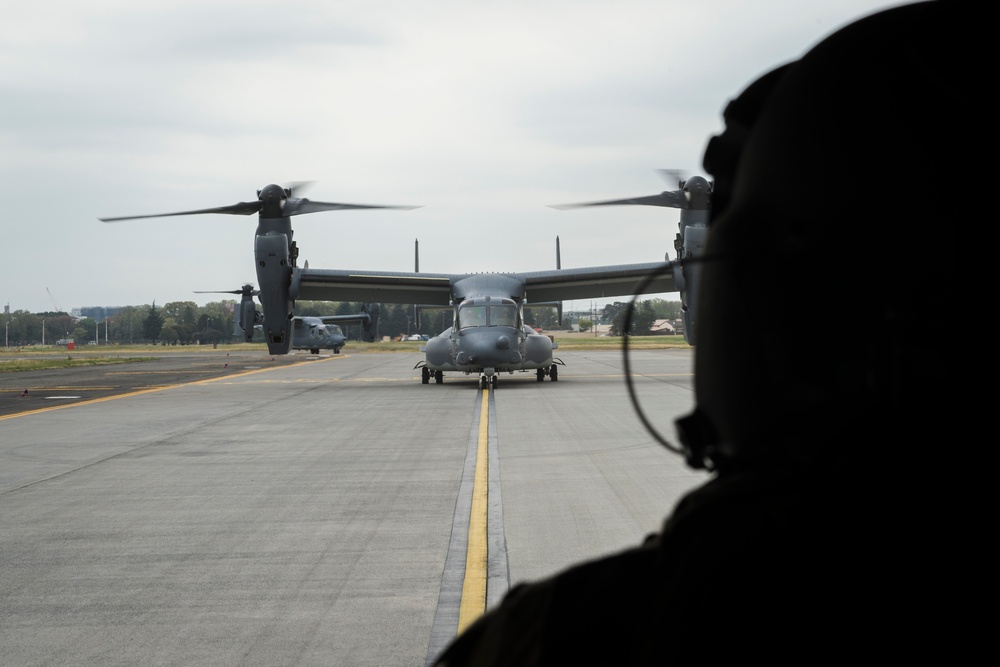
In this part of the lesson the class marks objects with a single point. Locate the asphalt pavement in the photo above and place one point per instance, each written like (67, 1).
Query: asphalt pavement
(309, 510)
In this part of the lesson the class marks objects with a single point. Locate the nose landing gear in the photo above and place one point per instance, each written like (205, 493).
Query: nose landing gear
(488, 378)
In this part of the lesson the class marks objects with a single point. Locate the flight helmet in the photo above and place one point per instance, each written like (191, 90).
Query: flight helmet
(828, 258)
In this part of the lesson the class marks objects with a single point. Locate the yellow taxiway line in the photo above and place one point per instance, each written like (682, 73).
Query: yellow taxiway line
(474, 587)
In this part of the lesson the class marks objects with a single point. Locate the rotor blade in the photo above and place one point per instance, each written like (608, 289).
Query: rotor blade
(242, 208)
(299, 187)
(672, 176)
(225, 291)
(300, 206)
(669, 199)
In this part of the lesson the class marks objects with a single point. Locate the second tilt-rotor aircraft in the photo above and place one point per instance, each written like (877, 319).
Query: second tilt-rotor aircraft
(309, 332)
(487, 336)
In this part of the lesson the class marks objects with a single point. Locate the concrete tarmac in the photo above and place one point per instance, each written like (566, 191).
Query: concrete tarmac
(310, 510)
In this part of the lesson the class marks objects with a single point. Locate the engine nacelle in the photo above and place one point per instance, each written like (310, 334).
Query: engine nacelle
(247, 318)
(693, 247)
(371, 328)
(274, 275)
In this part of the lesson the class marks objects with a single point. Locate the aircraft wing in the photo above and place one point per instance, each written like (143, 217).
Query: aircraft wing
(357, 318)
(595, 282)
(434, 289)
(377, 286)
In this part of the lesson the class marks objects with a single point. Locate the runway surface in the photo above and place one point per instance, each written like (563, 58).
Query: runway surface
(244, 511)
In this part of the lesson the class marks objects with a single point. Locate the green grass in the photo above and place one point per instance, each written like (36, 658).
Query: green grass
(37, 357)
(615, 342)
(116, 349)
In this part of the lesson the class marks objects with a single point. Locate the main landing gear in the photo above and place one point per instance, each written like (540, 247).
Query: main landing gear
(426, 373)
(552, 371)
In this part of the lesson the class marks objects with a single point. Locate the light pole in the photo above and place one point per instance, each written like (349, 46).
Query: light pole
(6, 331)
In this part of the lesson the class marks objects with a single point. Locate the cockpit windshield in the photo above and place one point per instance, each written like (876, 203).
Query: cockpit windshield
(503, 316)
(500, 315)
(472, 316)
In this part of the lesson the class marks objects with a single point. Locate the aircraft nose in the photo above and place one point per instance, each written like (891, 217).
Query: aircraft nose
(487, 348)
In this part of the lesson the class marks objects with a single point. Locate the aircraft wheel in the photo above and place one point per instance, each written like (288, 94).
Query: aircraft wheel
(554, 373)
(336, 350)
(540, 374)
(438, 377)
(425, 375)
(494, 380)
(314, 350)
(482, 382)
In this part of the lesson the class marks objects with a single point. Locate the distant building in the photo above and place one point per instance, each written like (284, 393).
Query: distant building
(99, 313)
(663, 328)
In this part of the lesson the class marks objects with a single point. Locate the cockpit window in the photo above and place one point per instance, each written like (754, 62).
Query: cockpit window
(503, 316)
(472, 316)
(481, 316)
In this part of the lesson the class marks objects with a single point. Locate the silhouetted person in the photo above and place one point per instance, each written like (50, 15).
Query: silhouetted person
(839, 422)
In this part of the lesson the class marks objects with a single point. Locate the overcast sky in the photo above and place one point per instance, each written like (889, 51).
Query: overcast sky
(484, 113)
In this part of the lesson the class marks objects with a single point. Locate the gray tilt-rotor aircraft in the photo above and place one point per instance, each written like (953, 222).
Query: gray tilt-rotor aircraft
(694, 199)
(309, 332)
(487, 336)
(274, 251)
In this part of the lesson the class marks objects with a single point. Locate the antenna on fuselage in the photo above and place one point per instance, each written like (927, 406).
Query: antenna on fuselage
(416, 255)
(558, 256)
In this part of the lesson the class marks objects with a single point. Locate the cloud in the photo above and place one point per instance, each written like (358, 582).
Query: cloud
(483, 112)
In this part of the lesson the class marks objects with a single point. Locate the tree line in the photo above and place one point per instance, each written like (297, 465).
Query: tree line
(646, 313)
(186, 323)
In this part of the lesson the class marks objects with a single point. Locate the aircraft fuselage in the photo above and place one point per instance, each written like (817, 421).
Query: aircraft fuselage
(488, 337)
(313, 335)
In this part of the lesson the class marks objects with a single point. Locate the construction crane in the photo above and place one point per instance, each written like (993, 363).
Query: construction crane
(53, 300)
